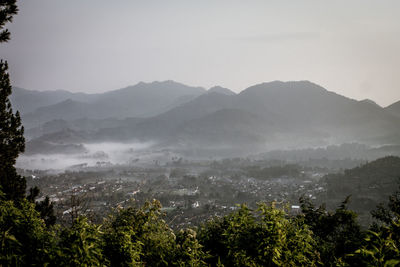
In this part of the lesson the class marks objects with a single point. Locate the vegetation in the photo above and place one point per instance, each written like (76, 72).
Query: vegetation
(368, 185)
(8, 9)
(265, 237)
(138, 236)
(336, 233)
(12, 141)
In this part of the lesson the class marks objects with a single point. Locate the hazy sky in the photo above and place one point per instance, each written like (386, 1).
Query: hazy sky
(350, 47)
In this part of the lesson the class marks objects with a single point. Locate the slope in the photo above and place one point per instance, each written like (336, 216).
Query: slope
(394, 109)
(141, 100)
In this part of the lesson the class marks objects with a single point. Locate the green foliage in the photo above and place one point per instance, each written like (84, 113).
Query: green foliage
(81, 245)
(139, 236)
(146, 230)
(265, 237)
(381, 249)
(24, 238)
(390, 213)
(382, 244)
(188, 249)
(133, 236)
(12, 141)
(8, 8)
(121, 247)
(336, 233)
(46, 211)
(211, 235)
(44, 207)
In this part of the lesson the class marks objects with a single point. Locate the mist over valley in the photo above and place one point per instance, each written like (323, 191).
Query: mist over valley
(196, 123)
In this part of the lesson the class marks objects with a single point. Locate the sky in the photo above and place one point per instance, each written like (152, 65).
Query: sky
(350, 47)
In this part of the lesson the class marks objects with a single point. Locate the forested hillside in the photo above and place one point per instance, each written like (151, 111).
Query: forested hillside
(368, 185)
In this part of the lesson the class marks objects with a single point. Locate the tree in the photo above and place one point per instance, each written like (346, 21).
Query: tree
(265, 237)
(8, 8)
(382, 243)
(336, 233)
(24, 239)
(188, 249)
(139, 235)
(81, 245)
(12, 141)
(391, 212)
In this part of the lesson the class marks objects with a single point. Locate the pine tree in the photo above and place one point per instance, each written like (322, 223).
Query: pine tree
(8, 8)
(12, 141)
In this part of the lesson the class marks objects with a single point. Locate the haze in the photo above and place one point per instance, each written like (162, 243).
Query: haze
(99, 154)
(350, 47)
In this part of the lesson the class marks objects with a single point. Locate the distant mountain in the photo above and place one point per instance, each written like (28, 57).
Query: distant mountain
(288, 114)
(221, 90)
(167, 124)
(298, 111)
(84, 124)
(141, 100)
(225, 129)
(394, 109)
(147, 99)
(304, 106)
(266, 116)
(26, 101)
(67, 110)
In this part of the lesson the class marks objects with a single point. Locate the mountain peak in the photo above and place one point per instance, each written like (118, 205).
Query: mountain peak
(287, 87)
(220, 90)
(162, 83)
(169, 86)
(370, 102)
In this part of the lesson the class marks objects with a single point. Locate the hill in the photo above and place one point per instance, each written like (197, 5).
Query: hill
(221, 90)
(394, 108)
(141, 100)
(368, 185)
(27, 101)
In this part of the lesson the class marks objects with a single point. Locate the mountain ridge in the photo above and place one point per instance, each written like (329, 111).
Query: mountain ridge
(267, 115)
(140, 100)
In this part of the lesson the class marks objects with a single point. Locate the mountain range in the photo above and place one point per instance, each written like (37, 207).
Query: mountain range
(141, 100)
(265, 116)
